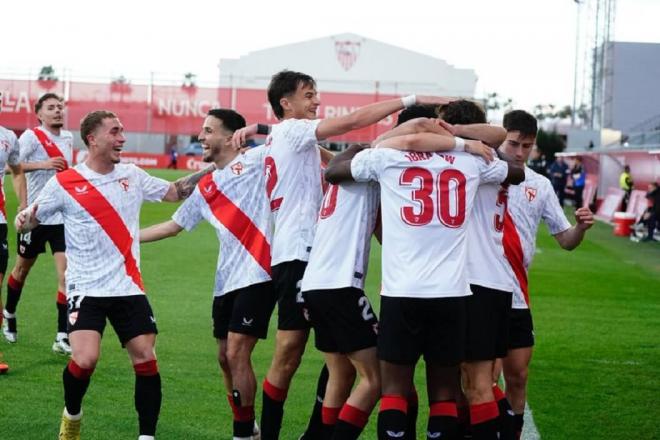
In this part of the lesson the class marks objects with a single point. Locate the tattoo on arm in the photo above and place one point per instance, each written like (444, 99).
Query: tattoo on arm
(186, 185)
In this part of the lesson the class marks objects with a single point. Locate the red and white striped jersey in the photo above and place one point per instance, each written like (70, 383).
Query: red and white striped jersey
(96, 265)
(426, 201)
(32, 151)
(529, 203)
(9, 154)
(293, 185)
(487, 265)
(340, 254)
(233, 200)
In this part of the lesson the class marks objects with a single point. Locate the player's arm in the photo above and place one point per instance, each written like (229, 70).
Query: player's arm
(162, 230)
(370, 114)
(26, 220)
(489, 134)
(326, 155)
(20, 185)
(573, 236)
(516, 173)
(417, 125)
(339, 168)
(181, 188)
(52, 163)
(431, 142)
(241, 135)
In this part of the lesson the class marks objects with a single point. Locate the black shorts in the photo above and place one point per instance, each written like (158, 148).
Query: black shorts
(429, 327)
(130, 316)
(343, 320)
(33, 243)
(521, 329)
(291, 311)
(246, 311)
(4, 254)
(487, 323)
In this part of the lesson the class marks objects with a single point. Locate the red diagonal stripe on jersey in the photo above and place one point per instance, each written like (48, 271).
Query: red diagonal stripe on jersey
(514, 253)
(49, 145)
(236, 222)
(105, 215)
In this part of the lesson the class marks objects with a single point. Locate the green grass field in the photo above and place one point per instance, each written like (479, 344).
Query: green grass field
(594, 374)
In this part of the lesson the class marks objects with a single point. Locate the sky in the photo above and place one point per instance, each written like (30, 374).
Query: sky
(520, 49)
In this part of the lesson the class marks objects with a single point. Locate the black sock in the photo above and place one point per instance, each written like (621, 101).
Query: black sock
(272, 411)
(75, 380)
(351, 423)
(392, 418)
(14, 289)
(507, 431)
(443, 420)
(518, 421)
(315, 424)
(413, 410)
(61, 318)
(485, 421)
(148, 398)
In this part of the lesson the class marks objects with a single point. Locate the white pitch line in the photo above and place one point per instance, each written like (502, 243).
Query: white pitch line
(529, 428)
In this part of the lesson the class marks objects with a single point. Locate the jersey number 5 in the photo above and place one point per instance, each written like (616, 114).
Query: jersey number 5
(449, 190)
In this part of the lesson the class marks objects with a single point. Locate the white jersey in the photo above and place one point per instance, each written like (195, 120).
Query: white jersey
(238, 209)
(33, 151)
(293, 184)
(529, 203)
(9, 154)
(340, 254)
(426, 201)
(95, 266)
(487, 265)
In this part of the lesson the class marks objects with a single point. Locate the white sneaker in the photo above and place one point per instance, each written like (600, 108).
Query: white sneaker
(256, 434)
(9, 327)
(61, 346)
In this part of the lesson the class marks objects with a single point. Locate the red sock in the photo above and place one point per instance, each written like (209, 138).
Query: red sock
(273, 392)
(354, 416)
(329, 415)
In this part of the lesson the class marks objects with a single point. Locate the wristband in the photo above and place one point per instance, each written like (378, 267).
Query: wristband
(263, 129)
(409, 101)
(459, 144)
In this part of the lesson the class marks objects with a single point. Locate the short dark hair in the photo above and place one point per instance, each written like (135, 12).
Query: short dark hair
(92, 121)
(45, 97)
(463, 112)
(231, 120)
(285, 83)
(520, 120)
(417, 111)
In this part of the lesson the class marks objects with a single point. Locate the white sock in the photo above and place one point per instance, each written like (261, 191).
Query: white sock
(146, 437)
(8, 315)
(74, 417)
(60, 336)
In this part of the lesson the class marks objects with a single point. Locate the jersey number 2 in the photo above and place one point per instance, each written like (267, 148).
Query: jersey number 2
(450, 185)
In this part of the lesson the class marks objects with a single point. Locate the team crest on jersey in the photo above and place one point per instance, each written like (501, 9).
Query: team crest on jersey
(124, 184)
(5, 145)
(237, 168)
(530, 193)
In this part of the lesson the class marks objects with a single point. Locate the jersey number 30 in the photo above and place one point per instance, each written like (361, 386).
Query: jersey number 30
(449, 203)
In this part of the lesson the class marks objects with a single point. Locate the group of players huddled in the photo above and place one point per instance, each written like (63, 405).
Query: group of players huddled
(446, 194)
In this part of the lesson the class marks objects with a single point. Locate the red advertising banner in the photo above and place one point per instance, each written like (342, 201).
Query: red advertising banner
(18, 99)
(146, 160)
(128, 101)
(175, 110)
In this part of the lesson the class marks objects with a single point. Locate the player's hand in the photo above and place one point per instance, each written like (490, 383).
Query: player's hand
(447, 126)
(478, 148)
(25, 218)
(56, 163)
(433, 100)
(242, 135)
(584, 218)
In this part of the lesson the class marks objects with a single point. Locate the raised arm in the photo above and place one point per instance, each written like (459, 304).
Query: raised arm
(417, 125)
(162, 230)
(370, 114)
(430, 142)
(182, 188)
(339, 168)
(573, 236)
(326, 155)
(486, 133)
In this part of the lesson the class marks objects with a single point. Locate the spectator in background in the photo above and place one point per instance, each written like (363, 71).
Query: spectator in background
(537, 161)
(579, 178)
(626, 184)
(174, 155)
(558, 174)
(653, 196)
